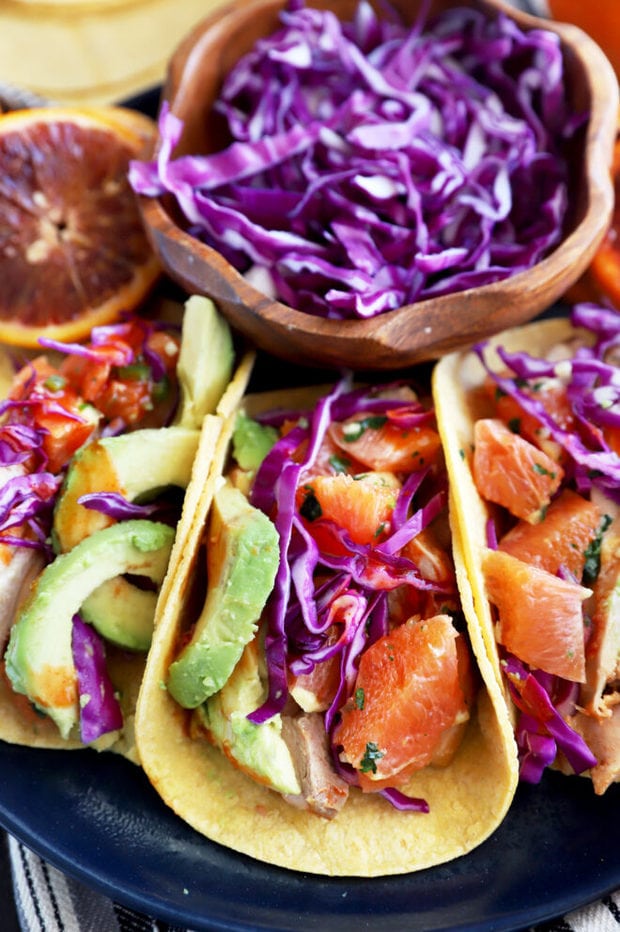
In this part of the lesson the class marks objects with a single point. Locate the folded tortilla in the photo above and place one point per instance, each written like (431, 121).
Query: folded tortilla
(368, 837)
(457, 383)
(20, 722)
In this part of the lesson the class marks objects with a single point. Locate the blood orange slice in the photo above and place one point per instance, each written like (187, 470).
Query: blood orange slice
(561, 539)
(362, 505)
(540, 615)
(73, 250)
(513, 472)
(408, 693)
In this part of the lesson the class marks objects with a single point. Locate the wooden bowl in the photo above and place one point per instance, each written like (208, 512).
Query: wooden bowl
(416, 332)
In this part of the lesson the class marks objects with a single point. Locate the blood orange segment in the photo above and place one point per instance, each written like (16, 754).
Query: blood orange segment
(551, 393)
(73, 248)
(561, 539)
(382, 445)
(54, 408)
(512, 472)
(540, 615)
(407, 694)
(362, 505)
(430, 556)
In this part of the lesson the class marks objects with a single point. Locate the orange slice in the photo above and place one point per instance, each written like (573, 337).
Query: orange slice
(540, 615)
(73, 251)
(407, 694)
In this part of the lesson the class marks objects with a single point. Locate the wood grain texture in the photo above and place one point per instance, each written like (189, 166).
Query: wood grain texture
(414, 333)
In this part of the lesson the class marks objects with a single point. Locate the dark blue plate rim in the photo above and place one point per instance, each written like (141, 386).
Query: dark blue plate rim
(97, 818)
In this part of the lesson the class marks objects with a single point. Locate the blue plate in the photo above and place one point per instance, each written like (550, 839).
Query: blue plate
(96, 817)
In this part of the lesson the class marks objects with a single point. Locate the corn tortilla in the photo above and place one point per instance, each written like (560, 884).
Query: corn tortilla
(468, 799)
(20, 722)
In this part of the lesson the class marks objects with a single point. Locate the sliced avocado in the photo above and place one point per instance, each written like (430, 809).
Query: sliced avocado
(251, 441)
(39, 660)
(136, 465)
(123, 613)
(205, 362)
(259, 749)
(242, 561)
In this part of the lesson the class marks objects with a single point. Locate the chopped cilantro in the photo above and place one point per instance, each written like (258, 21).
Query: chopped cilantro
(359, 698)
(311, 507)
(339, 463)
(161, 389)
(354, 430)
(372, 754)
(515, 424)
(543, 471)
(592, 553)
(135, 372)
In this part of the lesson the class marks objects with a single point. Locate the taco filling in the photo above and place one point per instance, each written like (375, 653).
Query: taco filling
(355, 667)
(98, 445)
(543, 454)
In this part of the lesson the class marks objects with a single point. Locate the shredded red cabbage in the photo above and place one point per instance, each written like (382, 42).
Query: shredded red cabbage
(117, 355)
(29, 489)
(100, 711)
(542, 718)
(373, 164)
(593, 389)
(116, 506)
(405, 803)
(592, 379)
(24, 498)
(331, 601)
(264, 495)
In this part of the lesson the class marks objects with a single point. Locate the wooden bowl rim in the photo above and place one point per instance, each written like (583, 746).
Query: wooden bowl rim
(602, 91)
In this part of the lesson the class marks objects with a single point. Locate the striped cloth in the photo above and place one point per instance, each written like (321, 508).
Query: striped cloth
(49, 901)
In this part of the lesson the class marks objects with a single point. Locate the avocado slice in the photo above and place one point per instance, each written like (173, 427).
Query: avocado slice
(242, 560)
(39, 661)
(259, 749)
(251, 441)
(123, 613)
(136, 465)
(206, 360)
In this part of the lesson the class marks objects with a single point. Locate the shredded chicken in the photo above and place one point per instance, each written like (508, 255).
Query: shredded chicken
(603, 648)
(16, 574)
(323, 791)
(602, 735)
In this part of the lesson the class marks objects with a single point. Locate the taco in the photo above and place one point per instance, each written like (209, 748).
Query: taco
(313, 697)
(98, 444)
(530, 424)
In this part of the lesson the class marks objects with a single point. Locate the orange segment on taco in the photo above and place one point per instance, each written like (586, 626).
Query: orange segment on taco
(99, 442)
(539, 528)
(312, 697)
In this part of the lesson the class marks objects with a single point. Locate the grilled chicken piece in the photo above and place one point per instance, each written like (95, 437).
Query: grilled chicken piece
(603, 647)
(323, 791)
(18, 568)
(602, 735)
